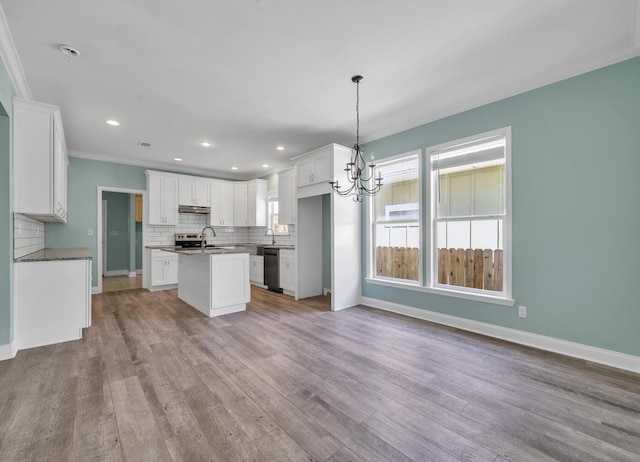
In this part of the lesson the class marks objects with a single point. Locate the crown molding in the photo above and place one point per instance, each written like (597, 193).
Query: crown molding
(11, 60)
(512, 90)
(167, 167)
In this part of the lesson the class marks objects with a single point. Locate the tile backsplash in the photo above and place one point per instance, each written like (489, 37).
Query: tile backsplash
(193, 223)
(28, 235)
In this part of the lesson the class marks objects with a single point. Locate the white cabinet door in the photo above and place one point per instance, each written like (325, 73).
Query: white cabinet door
(315, 167)
(39, 161)
(304, 172)
(163, 198)
(288, 270)
(257, 203)
(226, 203)
(221, 203)
(164, 268)
(171, 270)
(194, 191)
(186, 187)
(256, 269)
(286, 199)
(202, 192)
(240, 203)
(157, 271)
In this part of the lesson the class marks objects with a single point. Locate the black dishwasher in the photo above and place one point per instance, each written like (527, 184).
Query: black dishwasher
(272, 269)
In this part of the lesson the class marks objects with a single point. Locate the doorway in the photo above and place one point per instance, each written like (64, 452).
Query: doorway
(120, 262)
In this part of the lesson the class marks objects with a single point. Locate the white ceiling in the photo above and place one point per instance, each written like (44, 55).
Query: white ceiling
(248, 75)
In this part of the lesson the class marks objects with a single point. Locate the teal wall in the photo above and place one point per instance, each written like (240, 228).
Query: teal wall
(326, 241)
(6, 208)
(118, 230)
(84, 177)
(576, 213)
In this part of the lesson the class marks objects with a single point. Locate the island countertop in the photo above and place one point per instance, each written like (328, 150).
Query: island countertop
(221, 250)
(47, 254)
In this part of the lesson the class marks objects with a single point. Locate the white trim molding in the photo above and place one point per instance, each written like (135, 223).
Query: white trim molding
(576, 350)
(8, 351)
(635, 17)
(11, 60)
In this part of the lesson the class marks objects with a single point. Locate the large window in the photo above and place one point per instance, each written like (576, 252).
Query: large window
(469, 214)
(395, 220)
(465, 224)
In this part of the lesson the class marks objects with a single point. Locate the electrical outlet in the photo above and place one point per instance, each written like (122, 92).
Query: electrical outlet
(522, 311)
(89, 232)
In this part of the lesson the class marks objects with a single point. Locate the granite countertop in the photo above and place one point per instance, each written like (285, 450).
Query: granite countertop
(79, 253)
(218, 250)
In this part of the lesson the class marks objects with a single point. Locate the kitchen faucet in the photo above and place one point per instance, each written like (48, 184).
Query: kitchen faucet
(202, 244)
(273, 234)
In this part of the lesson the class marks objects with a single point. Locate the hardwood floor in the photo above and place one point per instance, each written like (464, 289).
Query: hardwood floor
(116, 283)
(155, 380)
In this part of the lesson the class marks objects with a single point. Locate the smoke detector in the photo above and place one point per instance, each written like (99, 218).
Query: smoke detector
(68, 51)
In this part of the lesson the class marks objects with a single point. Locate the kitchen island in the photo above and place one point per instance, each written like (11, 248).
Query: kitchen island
(215, 280)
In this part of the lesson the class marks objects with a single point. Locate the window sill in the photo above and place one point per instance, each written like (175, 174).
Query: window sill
(440, 291)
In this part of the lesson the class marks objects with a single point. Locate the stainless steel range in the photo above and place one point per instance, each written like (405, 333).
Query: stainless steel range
(187, 240)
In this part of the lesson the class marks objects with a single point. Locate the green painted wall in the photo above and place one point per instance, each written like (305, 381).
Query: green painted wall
(118, 231)
(326, 241)
(6, 208)
(576, 160)
(84, 177)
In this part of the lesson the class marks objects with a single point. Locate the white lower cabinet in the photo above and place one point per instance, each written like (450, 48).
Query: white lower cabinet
(52, 301)
(288, 271)
(256, 269)
(164, 268)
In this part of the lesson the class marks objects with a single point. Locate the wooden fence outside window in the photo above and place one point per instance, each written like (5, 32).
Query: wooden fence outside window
(477, 268)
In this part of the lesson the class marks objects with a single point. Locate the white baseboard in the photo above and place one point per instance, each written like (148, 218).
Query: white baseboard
(576, 350)
(8, 351)
(132, 274)
(117, 273)
(95, 290)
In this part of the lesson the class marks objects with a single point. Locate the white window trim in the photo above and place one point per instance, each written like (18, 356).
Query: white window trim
(465, 292)
(478, 297)
(371, 223)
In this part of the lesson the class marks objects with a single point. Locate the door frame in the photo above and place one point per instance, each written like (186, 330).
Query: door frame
(102, 189)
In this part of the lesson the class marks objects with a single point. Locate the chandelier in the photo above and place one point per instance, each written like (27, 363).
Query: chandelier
(360, 179)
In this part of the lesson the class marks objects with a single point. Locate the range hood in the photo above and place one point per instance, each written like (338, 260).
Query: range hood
(193, 209)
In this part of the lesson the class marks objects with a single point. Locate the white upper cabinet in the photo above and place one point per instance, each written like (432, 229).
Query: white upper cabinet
(163, 198)
(286, 198)
(257, 203)
(250, 203)
(194, 191)
(315, 167)
(39, 161)
(221, 203)
(240, 203)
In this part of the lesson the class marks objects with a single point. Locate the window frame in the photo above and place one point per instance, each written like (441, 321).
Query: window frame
(371, 221)
(428, 254)
(432, 250)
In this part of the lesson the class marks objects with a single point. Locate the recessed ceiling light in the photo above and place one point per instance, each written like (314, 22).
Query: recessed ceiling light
(178, 159)
(265, 166)
(234, 168)
(115, 123)
(280, 148)
(205, 144)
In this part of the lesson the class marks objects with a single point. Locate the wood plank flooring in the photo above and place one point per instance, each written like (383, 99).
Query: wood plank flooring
(155, 380)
